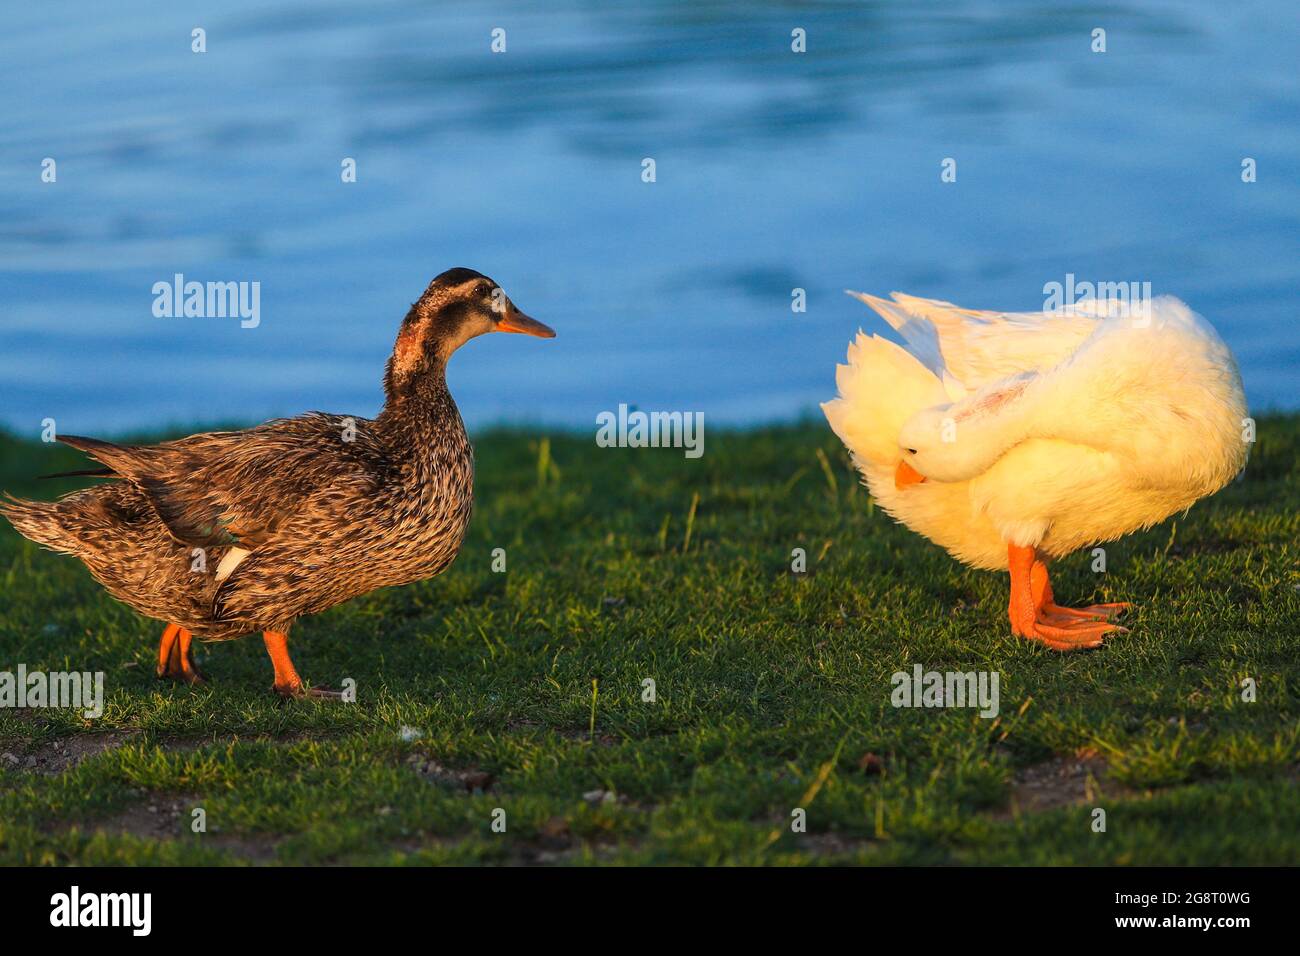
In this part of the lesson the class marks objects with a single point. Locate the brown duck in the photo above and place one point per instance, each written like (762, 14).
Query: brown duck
(226, 533)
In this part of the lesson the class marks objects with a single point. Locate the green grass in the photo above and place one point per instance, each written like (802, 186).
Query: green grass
(771, 687)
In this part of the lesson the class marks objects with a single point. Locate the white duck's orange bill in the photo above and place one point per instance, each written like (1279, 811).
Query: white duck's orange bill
(905, 475)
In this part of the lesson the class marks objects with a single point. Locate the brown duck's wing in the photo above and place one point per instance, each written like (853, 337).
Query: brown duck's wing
(243, 488)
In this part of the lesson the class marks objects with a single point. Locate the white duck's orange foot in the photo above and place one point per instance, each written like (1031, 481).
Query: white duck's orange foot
(1093, 612)
(1077, 635)
(1034, 615)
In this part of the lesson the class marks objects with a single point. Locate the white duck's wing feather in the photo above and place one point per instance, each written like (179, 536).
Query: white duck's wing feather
(1162, 393)
(976, 347)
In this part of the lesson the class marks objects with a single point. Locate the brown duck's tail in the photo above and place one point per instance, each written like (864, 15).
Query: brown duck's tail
(38, 520)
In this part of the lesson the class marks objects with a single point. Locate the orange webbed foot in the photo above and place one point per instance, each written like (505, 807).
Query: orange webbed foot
(287, 682)
(1036, 616)
(176, 657)
(1093, 612)
(1077, 636)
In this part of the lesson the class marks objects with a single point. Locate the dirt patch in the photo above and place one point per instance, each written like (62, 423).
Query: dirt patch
(69, 751)
(246, 848)
(55, 756)
(159, 818)
(553, 847)
(468, 779)
(1065, 781)
(170, 818)
(556, 844)
(190, 744)
(533, 856)
(831, 844)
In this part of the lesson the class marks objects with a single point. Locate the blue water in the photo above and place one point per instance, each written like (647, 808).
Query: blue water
(775, 170)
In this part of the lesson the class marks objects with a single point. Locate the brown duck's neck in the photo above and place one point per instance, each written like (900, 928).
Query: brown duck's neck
(420, 405)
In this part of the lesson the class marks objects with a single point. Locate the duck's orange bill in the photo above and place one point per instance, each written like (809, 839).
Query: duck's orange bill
(905, 475)
(516, 321)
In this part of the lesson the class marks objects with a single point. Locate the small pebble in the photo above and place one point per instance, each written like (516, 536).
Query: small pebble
(871, 764)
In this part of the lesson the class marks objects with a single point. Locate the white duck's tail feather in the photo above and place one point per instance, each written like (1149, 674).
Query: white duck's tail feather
(879, 389)
(919, 334)
(974, 347)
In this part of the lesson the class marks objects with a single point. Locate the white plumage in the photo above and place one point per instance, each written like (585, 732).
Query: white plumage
(1036, 434)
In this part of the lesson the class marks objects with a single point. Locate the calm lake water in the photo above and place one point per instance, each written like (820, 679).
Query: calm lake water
(775, 170)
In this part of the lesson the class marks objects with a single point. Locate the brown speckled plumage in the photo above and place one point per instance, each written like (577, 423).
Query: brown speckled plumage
(328, 507)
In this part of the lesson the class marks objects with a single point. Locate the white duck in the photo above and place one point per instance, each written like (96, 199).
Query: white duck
(1010, 439)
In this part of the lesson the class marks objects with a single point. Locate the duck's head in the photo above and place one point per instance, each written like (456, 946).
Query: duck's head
(958, 441)
(928, 447)
(459, 305)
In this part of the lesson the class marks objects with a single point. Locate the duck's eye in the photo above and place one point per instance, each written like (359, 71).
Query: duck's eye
(911, 451)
